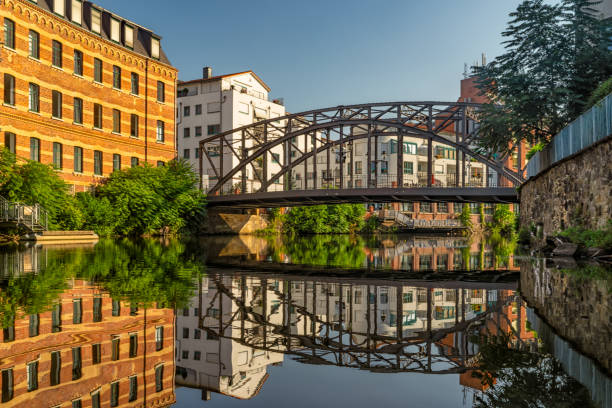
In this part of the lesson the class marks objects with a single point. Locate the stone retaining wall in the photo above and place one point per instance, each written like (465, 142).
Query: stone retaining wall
(575, 191)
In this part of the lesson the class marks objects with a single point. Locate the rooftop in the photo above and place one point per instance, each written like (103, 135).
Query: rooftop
(218, 77)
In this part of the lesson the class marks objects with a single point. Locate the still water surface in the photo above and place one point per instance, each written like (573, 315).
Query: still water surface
(317, 321)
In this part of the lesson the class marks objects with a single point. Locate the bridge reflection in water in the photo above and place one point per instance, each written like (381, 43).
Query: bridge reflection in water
(250, 321)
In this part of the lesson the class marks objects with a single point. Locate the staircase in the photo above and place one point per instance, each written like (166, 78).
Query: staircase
(31, 217)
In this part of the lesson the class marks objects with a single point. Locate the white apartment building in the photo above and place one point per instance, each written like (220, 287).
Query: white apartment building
(215, 104)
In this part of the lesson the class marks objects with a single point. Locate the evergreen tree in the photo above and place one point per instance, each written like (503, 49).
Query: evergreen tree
(556, 55)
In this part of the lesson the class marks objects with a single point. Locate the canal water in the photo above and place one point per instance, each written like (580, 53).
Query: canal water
(423, 321)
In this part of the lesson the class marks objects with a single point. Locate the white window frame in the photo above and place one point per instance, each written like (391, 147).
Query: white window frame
(77, 11)
(115, 30)
(97, 28)
(128, 36)
(59, 7)
(155, 47)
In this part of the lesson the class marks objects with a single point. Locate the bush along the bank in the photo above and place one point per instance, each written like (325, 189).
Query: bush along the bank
(141, 200)
(587, 238)
(324, 219)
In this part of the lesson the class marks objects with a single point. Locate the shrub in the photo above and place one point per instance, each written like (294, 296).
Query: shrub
(536, 148)
(604, 89)
(590, 238)
(466, 217)
(325, 219)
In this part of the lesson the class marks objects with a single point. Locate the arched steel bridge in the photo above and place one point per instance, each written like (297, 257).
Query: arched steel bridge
(277, 161)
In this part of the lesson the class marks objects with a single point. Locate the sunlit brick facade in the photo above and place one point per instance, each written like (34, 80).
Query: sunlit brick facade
(83, 89)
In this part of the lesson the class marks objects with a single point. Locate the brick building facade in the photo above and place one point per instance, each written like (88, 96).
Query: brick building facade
(89, 351)
(83, 89)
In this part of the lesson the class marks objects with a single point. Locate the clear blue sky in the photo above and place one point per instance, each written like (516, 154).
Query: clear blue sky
(320, 53)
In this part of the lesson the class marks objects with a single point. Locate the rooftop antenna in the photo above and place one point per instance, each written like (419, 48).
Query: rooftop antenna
(466, 73)
(484, 59)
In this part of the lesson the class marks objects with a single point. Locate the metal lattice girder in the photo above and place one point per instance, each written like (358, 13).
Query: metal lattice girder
(335, 127)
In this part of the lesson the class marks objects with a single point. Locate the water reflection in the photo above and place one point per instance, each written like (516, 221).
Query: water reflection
(141, 323)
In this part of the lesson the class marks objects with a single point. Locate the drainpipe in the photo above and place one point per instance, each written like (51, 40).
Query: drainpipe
(146, 110)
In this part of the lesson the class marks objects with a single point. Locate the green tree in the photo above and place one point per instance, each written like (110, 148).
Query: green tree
(325, 219)
(556, 55)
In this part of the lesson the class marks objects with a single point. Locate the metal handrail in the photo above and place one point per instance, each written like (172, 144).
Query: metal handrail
(33, 217)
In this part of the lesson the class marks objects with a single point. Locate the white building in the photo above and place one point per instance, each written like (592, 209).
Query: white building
(214, 104)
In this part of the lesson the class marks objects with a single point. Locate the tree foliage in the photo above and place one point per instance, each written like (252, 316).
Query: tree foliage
(555, 56)
(325, 219)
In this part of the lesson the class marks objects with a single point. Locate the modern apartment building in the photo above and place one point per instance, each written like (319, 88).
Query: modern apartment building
(84, 89)
(88, 350)
(214, 104)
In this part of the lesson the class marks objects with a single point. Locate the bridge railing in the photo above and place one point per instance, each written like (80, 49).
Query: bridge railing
(33, 217)
(588, 129)
(416, 180)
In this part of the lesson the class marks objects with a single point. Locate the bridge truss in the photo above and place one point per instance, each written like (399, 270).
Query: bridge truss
(323, 141)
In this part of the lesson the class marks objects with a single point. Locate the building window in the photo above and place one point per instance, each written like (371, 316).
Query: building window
(9, 33)
(97, 162)
(77, 311)
(116, 162)
(443, 208)
(213, 129)
(96, 353)
(133, 345)
(155, 47)
(78, 159)
(97, 309)
(32, 371)
(185, 332)
(196, 152)
(96, 17)
(425, 207)
(128, 36)
(116, 77)
(185, 355)
(408, 168)
(161, 91)
(76, 363)
(187, 111)
(78, 111)
(276, 159)
(78, 63)
(35, 149)
(56, 104)
(134, 125)
(97, 70)
(197, 355)
(115, 348)
(159, 378)
(186, 132)
(410, 148)
(186, 154)
(114, 399)
(10, 142)
(34, 328)
(97, 116)
(115, 30)
(116, 308)
(34, 101)
(56, 367)
(9, 89)
(57, 54)
(8, 333)
(7, 385)
(198, 109)
(116, 121)
(159, 338)
(95, 399)
(133, 388)
(58, 156)
(58, 7)
(77, 11)
(198, 131)
(77, 404)
(135, 83)
(213, 107)
(134, 161)
(56, 318)
(160, 131)
(34, 44)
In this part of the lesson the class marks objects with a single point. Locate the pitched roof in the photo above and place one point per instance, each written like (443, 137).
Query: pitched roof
(217, 77)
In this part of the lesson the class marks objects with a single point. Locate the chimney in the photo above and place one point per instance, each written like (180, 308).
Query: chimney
(207, 72)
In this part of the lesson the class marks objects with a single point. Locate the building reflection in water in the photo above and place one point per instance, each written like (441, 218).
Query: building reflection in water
(89, 350)
(240, 324)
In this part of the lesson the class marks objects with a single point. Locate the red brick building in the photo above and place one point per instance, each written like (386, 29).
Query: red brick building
(89, 351)
(83, 89)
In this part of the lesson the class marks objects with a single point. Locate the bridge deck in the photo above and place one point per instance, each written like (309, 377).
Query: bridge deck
(366, 195)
